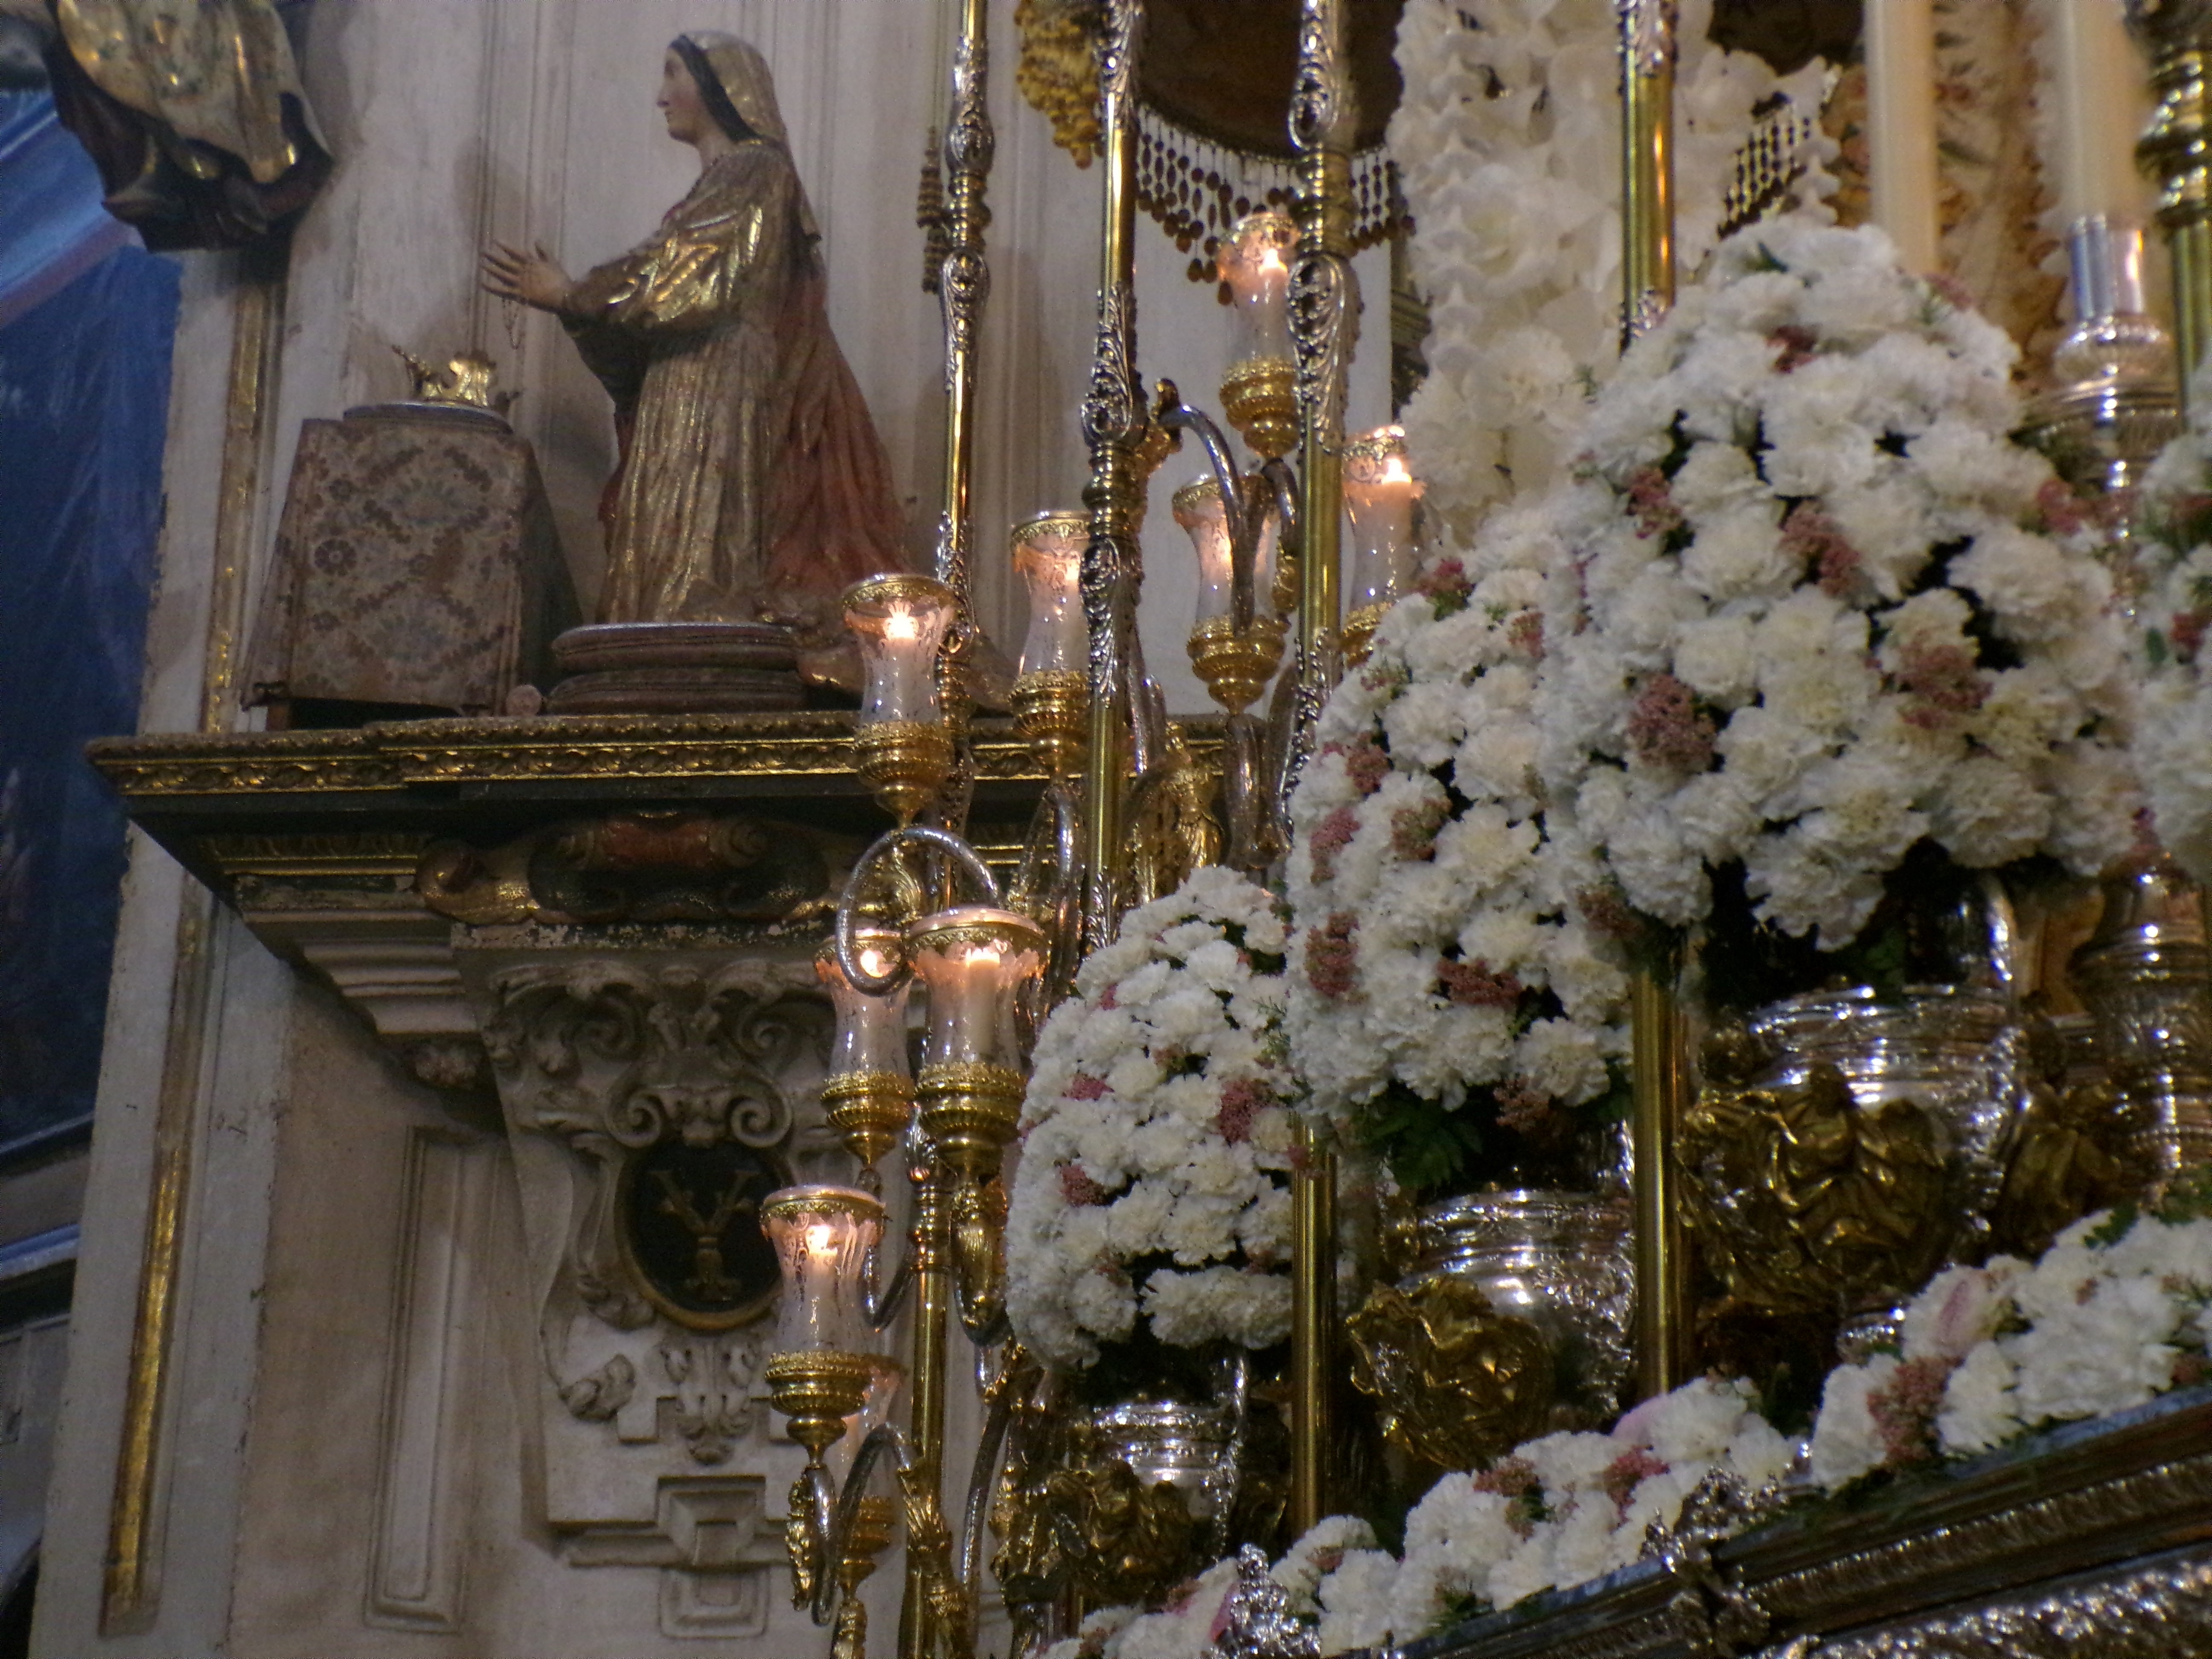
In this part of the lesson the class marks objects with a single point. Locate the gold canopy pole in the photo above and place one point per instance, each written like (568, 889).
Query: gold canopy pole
(2177, 149)
(964, 284)
(1324, 316)
(1647, 169)
(1113, 423)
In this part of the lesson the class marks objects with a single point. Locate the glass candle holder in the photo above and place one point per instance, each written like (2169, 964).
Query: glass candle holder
(1259, 392)
(868, 1093)
(1256, 262)
(819, 1369)
(1048, 557)
(900, 738)
(974, 962)
(1379, 493)
(1052, 693)
(1236, 664)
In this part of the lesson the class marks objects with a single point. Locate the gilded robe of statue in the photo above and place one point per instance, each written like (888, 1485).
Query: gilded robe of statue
(751, 481)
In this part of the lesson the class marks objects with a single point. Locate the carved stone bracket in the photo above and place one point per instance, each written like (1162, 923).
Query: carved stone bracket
(655, 1089)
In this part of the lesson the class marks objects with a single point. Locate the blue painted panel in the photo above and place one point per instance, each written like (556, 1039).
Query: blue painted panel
(84, 392)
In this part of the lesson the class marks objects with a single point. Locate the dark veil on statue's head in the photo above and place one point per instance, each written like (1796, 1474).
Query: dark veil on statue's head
(734, 84)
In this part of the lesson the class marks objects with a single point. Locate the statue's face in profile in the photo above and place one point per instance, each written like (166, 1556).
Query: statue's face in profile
(679, 103)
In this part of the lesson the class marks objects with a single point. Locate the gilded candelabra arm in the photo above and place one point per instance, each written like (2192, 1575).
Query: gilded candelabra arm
(831, 1523)
(979, 1260)
(958, 855)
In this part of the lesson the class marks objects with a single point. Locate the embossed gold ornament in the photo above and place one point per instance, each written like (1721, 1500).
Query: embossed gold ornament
(1806, 1201)
(1359, 632)
(1173, 829)
(1457, 1383)
(1138, 1541)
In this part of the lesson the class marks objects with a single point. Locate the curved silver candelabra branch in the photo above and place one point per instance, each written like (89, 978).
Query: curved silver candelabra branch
(1047, 885)
(958, 852)
(1174, 415)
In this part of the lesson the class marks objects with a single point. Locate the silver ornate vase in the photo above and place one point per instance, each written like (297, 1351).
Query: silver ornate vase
(1562, 1261)
(1191, 1448)
(1512, 1320)
(1846, 1147)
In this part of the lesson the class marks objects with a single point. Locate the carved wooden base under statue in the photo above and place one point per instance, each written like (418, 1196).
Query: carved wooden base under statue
(677, 668)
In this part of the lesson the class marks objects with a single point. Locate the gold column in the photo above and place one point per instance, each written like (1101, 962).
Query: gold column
(1324, 314)
(1113, 424)
(131, 1585)
(1662, 1277)
(1647, 162)
(1647, 127)
(2176, 150)
(964, 284)
(921, 1626)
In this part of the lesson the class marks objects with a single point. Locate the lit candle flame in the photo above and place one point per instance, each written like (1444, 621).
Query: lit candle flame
(900, 624)
(1393, 470)
(874, 963)
(1271, 262)
(821, 1238)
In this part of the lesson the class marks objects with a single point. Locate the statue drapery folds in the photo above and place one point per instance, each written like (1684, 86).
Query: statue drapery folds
(194, 114)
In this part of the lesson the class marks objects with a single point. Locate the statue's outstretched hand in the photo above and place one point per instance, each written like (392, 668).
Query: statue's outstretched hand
(531, 277)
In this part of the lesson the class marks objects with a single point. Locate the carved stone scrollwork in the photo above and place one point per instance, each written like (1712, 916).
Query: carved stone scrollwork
(663, 1081)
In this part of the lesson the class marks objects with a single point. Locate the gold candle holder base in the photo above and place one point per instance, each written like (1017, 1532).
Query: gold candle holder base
(904, 762)
(970, 1111)
(1052, 707)
(870, 1109)
(1236, 667)
(1359, 631)
(1259, 397)
(817, 1392)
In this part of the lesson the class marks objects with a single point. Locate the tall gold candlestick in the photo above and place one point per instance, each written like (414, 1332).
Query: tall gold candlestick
(2176, 150)
(1324, 311)
(1647, 162)
(1647, 109)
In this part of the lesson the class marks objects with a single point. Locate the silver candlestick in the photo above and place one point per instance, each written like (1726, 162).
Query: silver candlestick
(2113, 405)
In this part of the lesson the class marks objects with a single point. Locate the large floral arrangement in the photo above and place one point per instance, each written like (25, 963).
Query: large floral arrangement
(1818, 606)
(2173, 746)
(2113, 1315)
(1508, 144)
(1558, 1511)
(1156, 1150)
(1448, 943)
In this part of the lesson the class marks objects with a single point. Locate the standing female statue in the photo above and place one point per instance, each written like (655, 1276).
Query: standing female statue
(750, 482)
